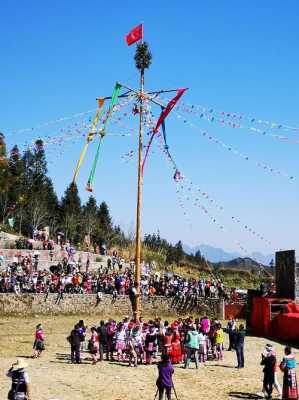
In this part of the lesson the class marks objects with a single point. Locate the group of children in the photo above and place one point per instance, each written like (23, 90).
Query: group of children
(182, 340)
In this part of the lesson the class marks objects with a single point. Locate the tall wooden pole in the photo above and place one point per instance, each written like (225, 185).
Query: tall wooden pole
(137, 304)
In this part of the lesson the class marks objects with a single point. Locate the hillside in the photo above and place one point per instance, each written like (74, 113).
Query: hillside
(243, 264)
(239, 272)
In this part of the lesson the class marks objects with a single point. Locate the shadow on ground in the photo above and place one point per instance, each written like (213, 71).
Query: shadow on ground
(243, 395)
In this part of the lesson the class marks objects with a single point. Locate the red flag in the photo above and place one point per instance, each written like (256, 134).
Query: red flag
(134, 35)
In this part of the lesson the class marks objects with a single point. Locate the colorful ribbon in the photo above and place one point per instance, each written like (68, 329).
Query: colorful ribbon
(113, 101)
(164, 113)
(89, 138)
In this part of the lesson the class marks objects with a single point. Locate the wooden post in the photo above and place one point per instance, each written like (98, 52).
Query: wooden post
(137, 305)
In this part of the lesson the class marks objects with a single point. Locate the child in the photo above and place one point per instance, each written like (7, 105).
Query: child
(219, 339)
(120, 344)
(137, 342)
(82, 331)
(164, 381)
(39, 344)
(150, 344)
(131, 350)
(202, 347)
(93, 345)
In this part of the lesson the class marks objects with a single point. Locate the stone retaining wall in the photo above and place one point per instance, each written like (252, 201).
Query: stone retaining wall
(44, 255)
(32, 304)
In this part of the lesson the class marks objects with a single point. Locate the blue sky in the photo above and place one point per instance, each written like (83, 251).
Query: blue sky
(56, 57)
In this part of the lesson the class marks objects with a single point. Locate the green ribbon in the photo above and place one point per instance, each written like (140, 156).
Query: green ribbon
(94, 165)
(113, 102)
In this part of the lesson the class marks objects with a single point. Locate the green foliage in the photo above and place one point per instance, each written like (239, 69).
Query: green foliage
(71, 213)
(174, 254)
(21, 243)
(143, 56)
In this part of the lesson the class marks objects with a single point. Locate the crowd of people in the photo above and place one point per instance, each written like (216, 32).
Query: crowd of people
(165, 344)
(23, 275)
(182, 340)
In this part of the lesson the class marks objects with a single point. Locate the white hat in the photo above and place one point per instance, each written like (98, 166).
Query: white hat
(19, 364)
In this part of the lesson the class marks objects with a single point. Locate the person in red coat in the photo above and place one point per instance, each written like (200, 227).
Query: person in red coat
(176, 348)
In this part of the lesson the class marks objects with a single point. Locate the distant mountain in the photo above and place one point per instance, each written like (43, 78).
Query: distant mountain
(239, 263)
(215, 254)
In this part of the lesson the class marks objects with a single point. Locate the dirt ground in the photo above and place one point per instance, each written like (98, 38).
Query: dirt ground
(53, 378)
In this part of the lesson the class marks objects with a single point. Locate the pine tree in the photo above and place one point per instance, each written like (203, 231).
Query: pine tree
(104, 224)
(38, 165)
(38, 203)
(89, 217)
(15, 172)
(71, 213)
(4, 181)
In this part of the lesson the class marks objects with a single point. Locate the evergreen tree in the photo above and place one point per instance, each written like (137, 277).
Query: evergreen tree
(15, 172)
(71, 213)
(38, 203)
(104, 224)
(38, 168)
(4, 181)
(89, 217)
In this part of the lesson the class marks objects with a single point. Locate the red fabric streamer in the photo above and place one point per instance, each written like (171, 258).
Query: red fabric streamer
(169, 107)
(134, 35)
(162, 117)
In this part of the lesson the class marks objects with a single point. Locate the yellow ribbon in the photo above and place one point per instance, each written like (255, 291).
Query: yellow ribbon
(90, 137)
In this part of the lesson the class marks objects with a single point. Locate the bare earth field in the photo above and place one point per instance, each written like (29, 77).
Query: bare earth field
(52, 378)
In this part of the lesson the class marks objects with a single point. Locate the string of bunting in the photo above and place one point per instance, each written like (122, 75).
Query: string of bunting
(52, 122)
(192, 192)
(70, 134)
(261, 165)
(239, 117)
(205, 211)
(180, 178)
(258, 164)
(234, 124)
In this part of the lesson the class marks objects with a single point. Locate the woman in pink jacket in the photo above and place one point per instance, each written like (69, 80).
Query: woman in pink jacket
(38, 345)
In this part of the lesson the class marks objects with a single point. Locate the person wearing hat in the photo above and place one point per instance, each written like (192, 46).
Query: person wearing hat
(20, 387)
